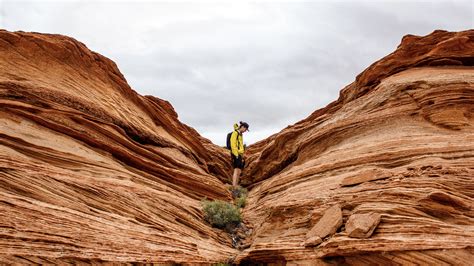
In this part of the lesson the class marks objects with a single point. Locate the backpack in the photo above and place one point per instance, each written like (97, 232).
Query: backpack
(228, 140)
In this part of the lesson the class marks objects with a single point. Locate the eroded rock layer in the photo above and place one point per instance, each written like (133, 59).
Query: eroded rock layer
(398, 142)
(91, 171)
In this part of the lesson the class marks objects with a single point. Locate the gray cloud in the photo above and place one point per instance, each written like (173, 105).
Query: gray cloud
(270, 64)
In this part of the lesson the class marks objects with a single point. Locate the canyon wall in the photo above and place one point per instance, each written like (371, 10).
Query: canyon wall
(92, 172)
(399, 142)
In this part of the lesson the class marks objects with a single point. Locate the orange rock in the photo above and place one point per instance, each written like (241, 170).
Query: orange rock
(91, 171)
(365, 176)
(326, 226)
(362, 225)
(403, 130)
(313, 241)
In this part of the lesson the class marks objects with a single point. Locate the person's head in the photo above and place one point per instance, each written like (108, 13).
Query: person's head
(243, 127)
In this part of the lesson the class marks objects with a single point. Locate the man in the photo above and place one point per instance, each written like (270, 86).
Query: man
(237, 151)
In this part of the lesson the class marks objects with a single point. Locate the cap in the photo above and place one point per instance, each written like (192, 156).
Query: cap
(244, 124)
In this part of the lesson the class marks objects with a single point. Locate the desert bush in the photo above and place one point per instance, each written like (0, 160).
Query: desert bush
(241, 201)
(220, 213)
(240, 195)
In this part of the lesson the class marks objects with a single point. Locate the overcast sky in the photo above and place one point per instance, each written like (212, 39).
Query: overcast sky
(269, 63)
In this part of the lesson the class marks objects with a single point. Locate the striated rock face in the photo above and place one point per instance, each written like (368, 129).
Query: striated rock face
(399, 141)
(92, 172)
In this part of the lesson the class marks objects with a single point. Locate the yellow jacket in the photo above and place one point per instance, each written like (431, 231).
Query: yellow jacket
(236, 142)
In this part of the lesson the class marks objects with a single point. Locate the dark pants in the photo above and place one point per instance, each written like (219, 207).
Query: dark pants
(237, 162)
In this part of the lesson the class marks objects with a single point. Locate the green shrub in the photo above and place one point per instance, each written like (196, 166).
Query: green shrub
(241, 201)
(240, 195)
(220, 213)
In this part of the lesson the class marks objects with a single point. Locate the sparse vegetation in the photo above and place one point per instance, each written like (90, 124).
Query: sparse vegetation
(241, 196)
(241, 201)
(220, 213)
(227, 216)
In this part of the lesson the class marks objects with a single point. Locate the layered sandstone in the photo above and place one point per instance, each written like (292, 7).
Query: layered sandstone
(399, 141)
(90, 171)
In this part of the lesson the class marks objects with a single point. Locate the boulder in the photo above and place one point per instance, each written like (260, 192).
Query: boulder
(327, 225)
(362, 225)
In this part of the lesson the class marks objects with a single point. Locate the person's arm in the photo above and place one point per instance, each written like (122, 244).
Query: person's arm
(241, 146)
(233, 143)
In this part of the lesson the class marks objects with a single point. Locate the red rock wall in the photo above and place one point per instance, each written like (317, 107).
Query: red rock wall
(398, 142)
(92, 171)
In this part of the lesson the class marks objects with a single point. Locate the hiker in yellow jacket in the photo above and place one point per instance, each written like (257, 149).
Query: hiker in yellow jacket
(237, 151)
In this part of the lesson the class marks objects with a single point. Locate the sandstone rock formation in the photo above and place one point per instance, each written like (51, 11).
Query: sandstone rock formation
(403, 135)
(92, 172)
